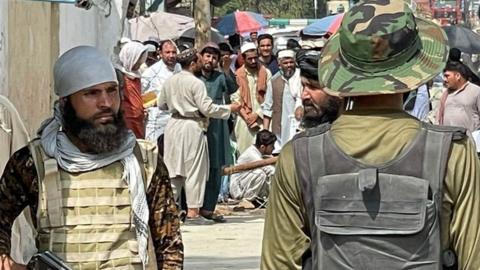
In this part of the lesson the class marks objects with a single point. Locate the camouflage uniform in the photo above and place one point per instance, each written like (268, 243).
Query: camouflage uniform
(19, 188)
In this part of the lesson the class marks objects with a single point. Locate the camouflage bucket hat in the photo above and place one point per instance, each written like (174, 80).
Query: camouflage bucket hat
(381, 48)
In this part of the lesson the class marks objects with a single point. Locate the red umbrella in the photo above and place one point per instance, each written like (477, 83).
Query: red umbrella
(329, 24)
(241, 22)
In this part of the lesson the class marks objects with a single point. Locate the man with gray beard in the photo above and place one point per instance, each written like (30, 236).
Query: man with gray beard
(282, 99)
(87, 176)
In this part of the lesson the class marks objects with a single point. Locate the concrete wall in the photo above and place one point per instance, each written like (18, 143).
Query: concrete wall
(32, 50)
(32, 36)
(92, 27)
(3, 48)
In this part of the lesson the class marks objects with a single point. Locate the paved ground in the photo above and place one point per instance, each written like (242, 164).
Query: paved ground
(232, 245)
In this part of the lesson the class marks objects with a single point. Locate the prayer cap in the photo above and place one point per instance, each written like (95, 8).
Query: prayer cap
(247, 47)
(187, 54)
(286, 54)
(81, 67)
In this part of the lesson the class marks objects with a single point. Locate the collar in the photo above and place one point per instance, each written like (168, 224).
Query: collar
(460, 89)
(272, 58)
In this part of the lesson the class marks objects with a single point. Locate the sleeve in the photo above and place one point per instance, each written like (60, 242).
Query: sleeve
(259, 110)
(18, 189)
(164, 221)
(205, 104)
(162, 101)
(146, 80)
(268, 103)
(460, 209)
(236, 97)
(298, 102)
(422, 103)
(284, 237)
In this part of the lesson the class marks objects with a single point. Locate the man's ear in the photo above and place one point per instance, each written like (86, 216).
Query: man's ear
(63, 101)
(262, 148)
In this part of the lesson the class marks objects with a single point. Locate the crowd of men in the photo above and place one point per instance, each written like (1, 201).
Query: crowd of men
(362, 180)
(194, 127)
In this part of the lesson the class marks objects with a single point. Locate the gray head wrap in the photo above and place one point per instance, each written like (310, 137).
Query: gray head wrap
(80, 68)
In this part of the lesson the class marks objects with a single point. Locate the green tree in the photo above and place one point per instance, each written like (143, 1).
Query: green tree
(290, 9)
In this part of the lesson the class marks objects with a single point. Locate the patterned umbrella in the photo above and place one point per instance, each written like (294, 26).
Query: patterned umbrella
(321, 27)
(241, 22)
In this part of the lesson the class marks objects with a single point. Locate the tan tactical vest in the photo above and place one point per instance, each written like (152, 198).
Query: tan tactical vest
(86, 218)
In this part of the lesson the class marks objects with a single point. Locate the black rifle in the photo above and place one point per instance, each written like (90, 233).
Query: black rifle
(49, 261)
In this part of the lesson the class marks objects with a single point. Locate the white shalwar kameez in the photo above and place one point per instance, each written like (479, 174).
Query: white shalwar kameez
(252, 184)
(153, 79)
(186, 149)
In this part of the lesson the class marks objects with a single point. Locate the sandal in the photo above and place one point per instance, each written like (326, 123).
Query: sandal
(216, 218)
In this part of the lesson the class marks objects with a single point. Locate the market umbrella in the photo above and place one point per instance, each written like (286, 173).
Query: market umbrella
(161, 25)
(190, 34)
(325, 25)
(463, 38)
(241, 22)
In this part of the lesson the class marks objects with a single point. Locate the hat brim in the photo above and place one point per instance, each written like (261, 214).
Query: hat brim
(342, 80)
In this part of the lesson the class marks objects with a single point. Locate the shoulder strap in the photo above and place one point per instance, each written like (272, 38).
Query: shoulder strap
(309, 132)
(146, 153)
(48, 185)
(437, 150)
(37, 155)
(458, 133)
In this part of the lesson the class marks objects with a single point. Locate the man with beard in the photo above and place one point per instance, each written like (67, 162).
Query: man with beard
(265, 51)
(377, 188)
(252, 80)
(282, 99)
(219, 86)
(87, 176)
(318, 106)
(186, 150)
(152, 80)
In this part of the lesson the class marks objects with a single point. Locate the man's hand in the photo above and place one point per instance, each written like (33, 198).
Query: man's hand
(235, 107)
(299, 113)
(226, 62)
(8, 264)
(252, 120)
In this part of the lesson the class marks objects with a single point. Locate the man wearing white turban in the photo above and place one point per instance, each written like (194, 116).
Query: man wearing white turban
(100, 198)
(283, 97)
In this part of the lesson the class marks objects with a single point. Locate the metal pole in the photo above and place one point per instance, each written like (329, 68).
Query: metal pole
(315, 7)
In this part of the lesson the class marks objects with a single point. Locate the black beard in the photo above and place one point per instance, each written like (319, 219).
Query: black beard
(207, 68)
(103, 138)
(315, 115)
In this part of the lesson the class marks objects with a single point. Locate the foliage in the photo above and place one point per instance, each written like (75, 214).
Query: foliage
(289, 9)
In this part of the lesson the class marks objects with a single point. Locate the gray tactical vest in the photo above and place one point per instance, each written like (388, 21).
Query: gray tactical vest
(364, 217)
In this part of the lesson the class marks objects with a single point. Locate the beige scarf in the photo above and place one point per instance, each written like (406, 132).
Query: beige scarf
(246, 111)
